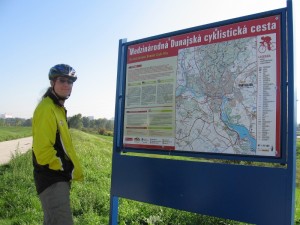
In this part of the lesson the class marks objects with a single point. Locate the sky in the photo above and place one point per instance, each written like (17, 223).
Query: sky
(36, 35)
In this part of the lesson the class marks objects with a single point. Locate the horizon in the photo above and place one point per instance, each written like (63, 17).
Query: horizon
(10, 116)
(35, 39)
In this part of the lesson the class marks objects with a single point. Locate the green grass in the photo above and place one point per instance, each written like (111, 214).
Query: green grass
(90, 199)
(11, 133)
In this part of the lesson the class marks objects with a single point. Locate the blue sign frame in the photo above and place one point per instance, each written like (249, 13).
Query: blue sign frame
(253, 194)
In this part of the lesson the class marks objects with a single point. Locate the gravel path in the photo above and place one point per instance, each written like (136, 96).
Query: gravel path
(10, 148)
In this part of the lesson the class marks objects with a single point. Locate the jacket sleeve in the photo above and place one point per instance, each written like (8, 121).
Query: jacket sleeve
(44, 134)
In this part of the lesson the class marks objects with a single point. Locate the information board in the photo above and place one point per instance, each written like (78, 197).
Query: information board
(215, 90)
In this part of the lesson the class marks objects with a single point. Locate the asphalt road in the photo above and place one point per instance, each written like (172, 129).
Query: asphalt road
(11, 148)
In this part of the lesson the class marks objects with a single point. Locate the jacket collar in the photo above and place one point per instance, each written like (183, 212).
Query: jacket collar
(54, 98)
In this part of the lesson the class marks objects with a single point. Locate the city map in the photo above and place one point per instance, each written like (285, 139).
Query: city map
(216, 97)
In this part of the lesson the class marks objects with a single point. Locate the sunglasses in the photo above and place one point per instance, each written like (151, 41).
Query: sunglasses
(62, 81)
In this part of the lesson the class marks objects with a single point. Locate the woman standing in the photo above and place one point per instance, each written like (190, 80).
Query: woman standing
(54, 158)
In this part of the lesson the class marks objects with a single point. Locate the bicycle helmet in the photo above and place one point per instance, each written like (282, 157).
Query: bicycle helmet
(62, 70)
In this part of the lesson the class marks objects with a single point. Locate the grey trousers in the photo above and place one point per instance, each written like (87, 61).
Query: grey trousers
(56, 204)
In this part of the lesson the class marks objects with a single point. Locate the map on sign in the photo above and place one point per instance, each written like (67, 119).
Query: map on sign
(216, 99)
(213, 91)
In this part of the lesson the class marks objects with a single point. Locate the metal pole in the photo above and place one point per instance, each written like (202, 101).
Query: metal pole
(292, 112)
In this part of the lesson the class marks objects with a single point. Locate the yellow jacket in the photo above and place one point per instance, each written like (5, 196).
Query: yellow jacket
(54, 155)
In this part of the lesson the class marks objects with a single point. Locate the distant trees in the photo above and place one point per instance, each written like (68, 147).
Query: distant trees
(76, 121)
(15, 122)
(100, 126)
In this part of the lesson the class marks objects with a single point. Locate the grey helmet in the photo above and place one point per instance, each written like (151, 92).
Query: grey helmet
(62, 70)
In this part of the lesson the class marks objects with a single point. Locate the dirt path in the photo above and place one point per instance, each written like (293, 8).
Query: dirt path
(10, 148)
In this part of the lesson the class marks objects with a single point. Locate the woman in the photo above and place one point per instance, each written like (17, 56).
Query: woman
(54, 158)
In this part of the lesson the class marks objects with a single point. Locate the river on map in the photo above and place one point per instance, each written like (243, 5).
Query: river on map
(241, 130)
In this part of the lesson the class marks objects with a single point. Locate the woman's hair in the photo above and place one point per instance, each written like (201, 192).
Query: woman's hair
(47, 92)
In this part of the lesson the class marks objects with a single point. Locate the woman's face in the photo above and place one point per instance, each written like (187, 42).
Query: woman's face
(63, 87)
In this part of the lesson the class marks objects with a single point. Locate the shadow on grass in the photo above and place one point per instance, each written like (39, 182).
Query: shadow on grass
(4, 168)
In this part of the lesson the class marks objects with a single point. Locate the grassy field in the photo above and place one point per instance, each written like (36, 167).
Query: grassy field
(19, 203)
(11, 133)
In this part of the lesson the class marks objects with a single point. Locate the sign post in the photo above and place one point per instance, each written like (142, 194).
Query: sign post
(219, 91)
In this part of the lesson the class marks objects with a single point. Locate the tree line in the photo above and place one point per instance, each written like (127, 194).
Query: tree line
(102, 126)
(18, 122)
